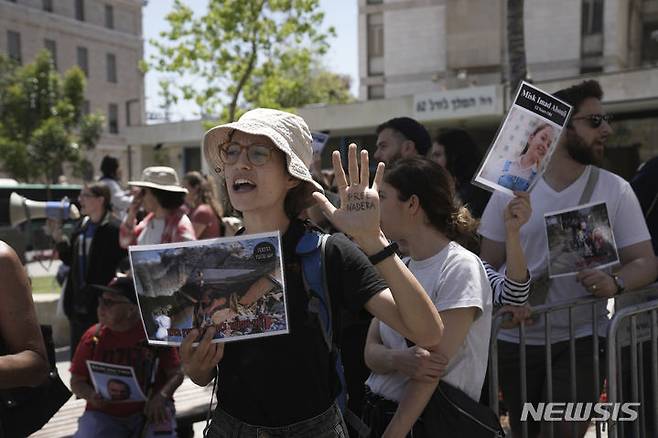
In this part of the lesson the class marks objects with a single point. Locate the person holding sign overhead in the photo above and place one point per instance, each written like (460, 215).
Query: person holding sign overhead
(571, 179)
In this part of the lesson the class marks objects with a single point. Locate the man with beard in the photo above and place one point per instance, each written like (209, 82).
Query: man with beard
(571, 173)
(401, 137)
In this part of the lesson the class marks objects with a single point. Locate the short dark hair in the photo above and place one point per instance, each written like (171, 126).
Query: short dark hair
(109, 167)
(168, 200)
(576, 94)
(411, 130)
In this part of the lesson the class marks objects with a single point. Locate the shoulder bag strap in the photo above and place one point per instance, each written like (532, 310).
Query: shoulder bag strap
(590, 185)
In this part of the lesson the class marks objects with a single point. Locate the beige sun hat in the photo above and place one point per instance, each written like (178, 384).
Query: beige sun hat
(160, 177)
(287, 131)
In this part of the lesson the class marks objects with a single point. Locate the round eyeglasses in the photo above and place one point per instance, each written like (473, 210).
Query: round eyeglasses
(257, 154)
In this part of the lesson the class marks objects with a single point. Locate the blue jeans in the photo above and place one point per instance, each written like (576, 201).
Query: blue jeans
(329, 424)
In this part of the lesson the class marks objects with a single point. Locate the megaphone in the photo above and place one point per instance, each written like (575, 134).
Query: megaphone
(22, 209)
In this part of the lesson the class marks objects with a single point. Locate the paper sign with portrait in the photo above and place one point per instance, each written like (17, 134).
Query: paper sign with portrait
(524, 142)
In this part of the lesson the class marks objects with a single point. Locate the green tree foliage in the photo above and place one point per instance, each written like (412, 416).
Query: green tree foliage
(41, 120)
(247, 53)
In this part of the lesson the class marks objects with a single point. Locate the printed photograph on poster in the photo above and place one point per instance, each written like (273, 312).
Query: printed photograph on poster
(116, 383)
(524, 142)
(580, 238)
(234, 284)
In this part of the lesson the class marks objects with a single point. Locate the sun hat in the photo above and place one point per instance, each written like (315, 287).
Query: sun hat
(288, 132)
(160, 177)
(123, 286)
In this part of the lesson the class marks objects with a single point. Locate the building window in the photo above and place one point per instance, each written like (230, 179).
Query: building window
(14, 46)
(376, 92)
(591, 44)
(375, 37)
(86, 108)
(650, 43)
(109, 16)
(83, 60)
(113, 118)
(111, 68)
(80, 10)
(47, 5)
(592, 19)
(51, 46)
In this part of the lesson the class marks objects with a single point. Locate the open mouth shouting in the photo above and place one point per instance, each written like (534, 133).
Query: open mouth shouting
(243, 185)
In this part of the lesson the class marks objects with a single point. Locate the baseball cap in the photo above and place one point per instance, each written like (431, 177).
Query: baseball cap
(123, 286)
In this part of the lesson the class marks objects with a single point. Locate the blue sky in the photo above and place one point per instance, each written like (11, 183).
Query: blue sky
(342, 57)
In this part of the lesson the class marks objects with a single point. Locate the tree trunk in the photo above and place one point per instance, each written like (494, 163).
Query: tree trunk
(515, 44)
(255, 11)
(243, 80)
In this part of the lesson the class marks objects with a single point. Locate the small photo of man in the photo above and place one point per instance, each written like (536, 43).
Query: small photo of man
(118, 390)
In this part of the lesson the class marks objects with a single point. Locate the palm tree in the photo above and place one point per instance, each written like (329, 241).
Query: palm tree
(517, 70)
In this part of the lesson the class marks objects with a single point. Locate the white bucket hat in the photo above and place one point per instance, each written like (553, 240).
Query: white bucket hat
(160, 177)
(288, 132)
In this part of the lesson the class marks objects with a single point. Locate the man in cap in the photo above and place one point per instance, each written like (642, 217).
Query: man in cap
(119, 339)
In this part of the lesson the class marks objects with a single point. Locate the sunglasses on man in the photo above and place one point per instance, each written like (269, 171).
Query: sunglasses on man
(595, 120)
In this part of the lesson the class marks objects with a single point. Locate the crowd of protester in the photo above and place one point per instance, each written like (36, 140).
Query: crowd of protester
(415, 274)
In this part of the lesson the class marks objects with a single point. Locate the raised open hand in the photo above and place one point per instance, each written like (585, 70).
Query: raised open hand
(358, 214)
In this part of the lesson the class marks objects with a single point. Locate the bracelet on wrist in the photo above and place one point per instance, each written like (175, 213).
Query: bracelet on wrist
(384, 253)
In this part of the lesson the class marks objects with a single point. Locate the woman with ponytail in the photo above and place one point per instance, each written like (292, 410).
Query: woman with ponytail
(419, 208)
(205, 210)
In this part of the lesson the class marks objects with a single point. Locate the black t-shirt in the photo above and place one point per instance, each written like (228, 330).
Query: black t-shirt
(280, 380)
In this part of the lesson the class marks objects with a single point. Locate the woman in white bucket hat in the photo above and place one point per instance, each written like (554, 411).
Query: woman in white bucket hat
(162, 197)
(286, 386)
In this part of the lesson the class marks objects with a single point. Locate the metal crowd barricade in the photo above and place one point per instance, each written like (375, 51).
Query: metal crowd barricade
(546, 311)
(637, 326)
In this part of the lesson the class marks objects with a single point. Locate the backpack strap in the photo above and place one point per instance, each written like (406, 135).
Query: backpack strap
(311, 250)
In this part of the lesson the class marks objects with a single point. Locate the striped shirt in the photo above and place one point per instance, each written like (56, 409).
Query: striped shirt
(505, 290)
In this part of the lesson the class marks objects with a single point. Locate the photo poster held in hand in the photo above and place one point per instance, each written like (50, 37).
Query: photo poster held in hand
(580, 238)
(115, 383)
(524, 142)
(232, 283)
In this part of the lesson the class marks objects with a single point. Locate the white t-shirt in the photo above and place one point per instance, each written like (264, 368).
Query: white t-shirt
(120, 199)
(454, 278)
(627, 224)
(152, 234)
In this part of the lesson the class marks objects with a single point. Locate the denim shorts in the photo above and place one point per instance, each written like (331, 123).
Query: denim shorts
(329, 424)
